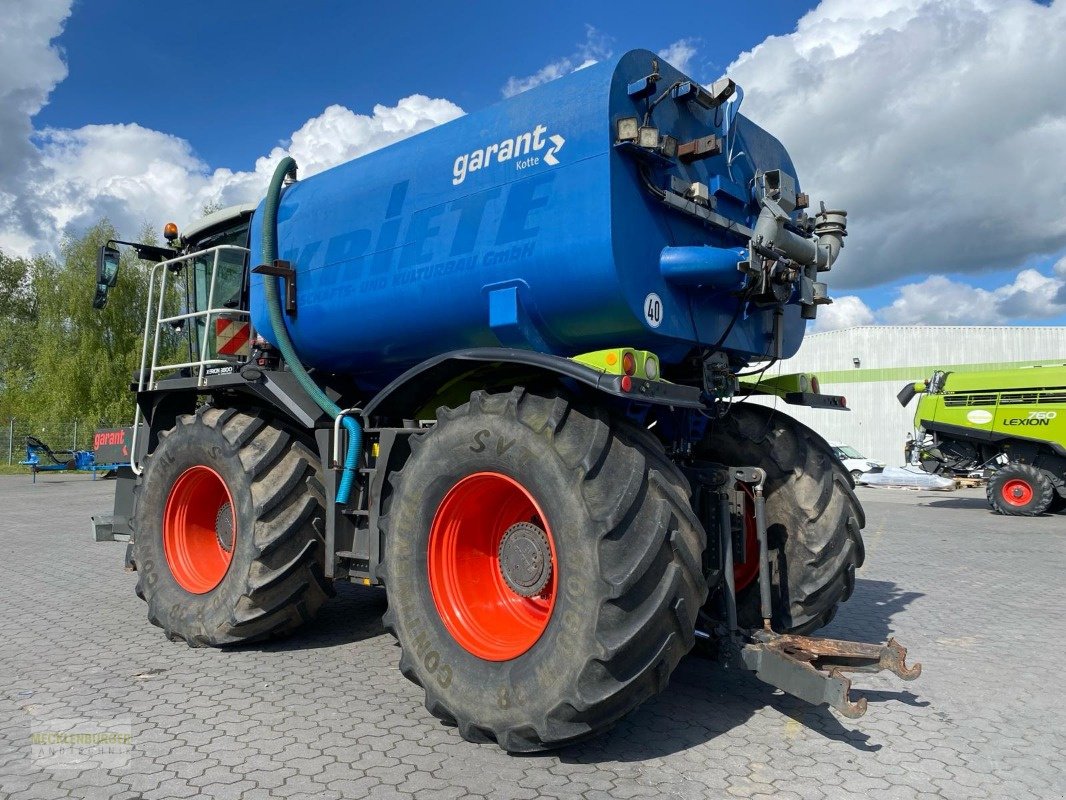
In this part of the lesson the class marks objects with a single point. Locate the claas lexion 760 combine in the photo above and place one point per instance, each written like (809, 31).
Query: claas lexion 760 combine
(1012, 421)
(499, 369)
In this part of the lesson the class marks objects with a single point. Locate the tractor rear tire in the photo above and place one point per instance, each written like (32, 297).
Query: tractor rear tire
(228, 530)
(603, 601)
(814, 520)
(1020, 490)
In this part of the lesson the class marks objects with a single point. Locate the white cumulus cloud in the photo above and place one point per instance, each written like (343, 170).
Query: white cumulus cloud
(939, 124)
(133, 174)
(57, 180)
(30, 67)
(1030, 297)
(595, 48)
(844, 312)
(680, 54)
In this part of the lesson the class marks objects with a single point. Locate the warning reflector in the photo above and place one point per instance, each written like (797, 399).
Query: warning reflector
(232, 337)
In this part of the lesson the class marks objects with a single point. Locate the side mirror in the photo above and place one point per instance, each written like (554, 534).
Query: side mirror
(107, 266)
(936, 383)
(106, 274)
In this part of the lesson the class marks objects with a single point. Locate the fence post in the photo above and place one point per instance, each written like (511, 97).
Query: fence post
(75, 445)
(10, 439)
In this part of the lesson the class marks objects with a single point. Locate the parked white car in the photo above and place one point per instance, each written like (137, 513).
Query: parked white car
(854, 461)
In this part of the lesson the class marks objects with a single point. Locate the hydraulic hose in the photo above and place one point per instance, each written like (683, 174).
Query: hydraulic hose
(287, 167)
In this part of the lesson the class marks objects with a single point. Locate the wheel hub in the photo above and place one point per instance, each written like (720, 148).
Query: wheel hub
(493, 569)
(1017, 492)
(224, 527)
(525, 559)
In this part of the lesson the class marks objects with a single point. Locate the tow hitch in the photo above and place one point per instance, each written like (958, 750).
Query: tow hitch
(810, 668)
(813, 669)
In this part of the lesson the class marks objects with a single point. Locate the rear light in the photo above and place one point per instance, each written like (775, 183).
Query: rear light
(815, 386)
(651, 368)
(629, 363)
(627, 383)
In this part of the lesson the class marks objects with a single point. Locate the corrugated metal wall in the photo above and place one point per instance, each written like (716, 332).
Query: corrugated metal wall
(870, 364)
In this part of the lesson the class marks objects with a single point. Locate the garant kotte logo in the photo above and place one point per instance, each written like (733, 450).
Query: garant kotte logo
(524, 149)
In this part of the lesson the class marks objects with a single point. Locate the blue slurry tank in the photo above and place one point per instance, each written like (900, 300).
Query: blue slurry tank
(590, 212)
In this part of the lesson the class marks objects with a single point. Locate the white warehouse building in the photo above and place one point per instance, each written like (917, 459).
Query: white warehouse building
(870, 364)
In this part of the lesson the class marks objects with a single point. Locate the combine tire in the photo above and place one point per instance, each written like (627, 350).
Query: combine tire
(227, 531)
(814, 520)
(1020, 490)
(543, 569)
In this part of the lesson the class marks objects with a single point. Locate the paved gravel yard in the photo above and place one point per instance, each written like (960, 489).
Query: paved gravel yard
(979, 599)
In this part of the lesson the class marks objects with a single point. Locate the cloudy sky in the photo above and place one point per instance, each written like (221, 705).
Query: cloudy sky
(939, 124)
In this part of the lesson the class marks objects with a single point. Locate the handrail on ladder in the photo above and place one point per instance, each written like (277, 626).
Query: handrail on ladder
(146, 379)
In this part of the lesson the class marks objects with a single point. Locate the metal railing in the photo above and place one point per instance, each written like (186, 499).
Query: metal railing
(148, 375)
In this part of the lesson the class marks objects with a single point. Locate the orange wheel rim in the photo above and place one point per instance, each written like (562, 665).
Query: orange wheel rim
(199, 529)
(744, 574)
(493, 570)
(1017, 492)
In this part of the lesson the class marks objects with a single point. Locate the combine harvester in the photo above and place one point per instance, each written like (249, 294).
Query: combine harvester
(1012, 421)
(496, 368)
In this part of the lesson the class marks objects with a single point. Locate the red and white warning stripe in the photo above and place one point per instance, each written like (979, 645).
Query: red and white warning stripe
(233, 337)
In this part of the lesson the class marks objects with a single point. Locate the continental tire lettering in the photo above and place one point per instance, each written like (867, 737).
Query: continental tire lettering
(444, 676)
(421, 643)
(431, 659)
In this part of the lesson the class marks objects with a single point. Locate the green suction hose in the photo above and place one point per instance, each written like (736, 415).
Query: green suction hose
(287, 167)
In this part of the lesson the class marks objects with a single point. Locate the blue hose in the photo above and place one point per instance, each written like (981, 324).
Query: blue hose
(281, 334)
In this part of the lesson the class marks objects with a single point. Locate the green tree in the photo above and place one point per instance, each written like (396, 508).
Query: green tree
(84, 358)
(18, 313)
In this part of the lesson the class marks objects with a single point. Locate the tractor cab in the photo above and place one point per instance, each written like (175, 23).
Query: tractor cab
(227, 228)
(196, 319)
(216, 277)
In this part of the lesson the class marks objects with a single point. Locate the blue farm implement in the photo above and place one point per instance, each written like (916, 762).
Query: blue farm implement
(42, 458)
(498, 370)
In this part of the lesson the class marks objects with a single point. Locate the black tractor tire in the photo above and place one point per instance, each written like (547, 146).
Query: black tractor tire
(630, 581)
(274, 581)
(1020, 490)
(814, 520)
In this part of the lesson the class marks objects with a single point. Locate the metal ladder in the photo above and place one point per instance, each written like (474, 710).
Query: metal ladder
(154, 320)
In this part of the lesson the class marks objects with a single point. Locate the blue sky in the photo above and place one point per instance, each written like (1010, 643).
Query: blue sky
(940, 126)
(282, 63)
